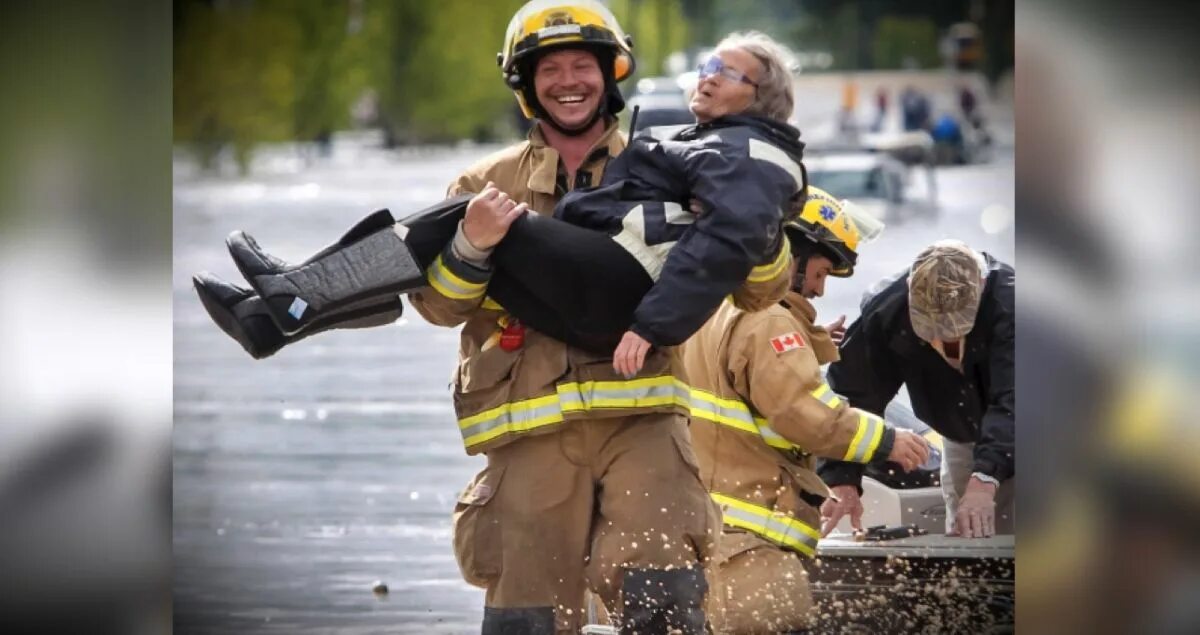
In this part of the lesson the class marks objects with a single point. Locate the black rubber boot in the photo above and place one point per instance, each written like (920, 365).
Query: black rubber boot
(656, 601)
(522, 621)
(378, 256)
(370, 260)
(243, 316)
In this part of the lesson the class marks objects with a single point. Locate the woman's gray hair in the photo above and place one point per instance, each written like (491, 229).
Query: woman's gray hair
(775, 97)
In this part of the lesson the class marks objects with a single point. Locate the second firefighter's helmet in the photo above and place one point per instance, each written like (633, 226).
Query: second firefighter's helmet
(544, 25)
(836, 227)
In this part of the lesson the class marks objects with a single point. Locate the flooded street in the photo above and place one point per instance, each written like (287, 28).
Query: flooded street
(301, 479)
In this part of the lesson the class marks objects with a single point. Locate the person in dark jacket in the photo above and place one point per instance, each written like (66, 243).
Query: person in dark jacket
(945, 329)
(719, 190)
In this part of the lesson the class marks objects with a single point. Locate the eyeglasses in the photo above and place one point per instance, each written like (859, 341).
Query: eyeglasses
(714, 66)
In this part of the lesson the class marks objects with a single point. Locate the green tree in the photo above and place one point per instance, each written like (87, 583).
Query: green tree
(234, 82)
(658, 28)
(898, 39)
(328, 66)
(247, 73)
(455, 88)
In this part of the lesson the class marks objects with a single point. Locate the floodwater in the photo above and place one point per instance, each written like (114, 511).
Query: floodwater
(302, 479)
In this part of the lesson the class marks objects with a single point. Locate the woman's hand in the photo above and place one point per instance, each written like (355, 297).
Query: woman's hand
(837, 330)
(489, 215)
(630, 354)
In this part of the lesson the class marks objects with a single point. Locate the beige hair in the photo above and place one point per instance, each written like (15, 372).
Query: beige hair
(776, 92)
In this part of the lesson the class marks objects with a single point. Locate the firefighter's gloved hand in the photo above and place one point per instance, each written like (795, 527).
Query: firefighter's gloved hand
(910, 450)
(845, 501)
(837, 330)
(976, 516)
(489, 215)
(630, 354)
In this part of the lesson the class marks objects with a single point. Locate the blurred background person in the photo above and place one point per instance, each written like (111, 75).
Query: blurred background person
(881, 109)
(915, 108)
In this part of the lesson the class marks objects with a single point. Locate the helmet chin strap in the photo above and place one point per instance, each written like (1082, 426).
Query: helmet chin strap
(798, 281)
(802, 250)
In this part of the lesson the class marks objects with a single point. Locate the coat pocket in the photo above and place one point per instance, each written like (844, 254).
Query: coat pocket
(801, 495)
(477, 531)
(486, 369)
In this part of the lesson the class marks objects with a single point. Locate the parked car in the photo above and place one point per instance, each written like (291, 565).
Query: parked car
(877, 182)
(660, 109)
(658, 86)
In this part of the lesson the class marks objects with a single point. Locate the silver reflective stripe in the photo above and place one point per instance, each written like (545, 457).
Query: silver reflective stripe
(451, 286)
(575, 396)
(774, 439)
(870, 429)
(513, 419)
(633, 239)
(826, 395)
(776, 528)
(764, 151)
(790, 534)
(676, 215)
(709, 407)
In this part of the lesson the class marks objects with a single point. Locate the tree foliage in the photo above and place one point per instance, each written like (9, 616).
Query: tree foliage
(253, 71)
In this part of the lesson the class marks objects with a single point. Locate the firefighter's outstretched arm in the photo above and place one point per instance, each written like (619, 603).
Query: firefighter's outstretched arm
(778, 371)
(867, 376)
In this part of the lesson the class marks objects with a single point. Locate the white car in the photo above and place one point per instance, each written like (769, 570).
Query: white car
(876, 182)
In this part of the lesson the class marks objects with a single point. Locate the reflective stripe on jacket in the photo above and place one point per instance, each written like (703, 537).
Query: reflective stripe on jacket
(500, 395)
(746, 173)
(777, 527)
(769, 413)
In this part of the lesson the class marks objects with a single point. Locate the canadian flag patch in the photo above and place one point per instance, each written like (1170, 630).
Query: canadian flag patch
(787, 342)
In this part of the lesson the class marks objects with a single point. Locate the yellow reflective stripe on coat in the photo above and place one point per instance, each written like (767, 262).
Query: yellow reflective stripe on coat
(769, 271)
(775, 526)
(734, 414)
(825, 395)
(441, 278)
(728, 412)
(866, 439)
(571, 397)
(775, 440)
(649, 392)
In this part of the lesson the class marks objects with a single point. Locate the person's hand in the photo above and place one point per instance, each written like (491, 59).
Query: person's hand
(845, 501)
(976, 516)
(695, 206)
(837, 330)
(630, 354)
(910, 450)
(489, 215)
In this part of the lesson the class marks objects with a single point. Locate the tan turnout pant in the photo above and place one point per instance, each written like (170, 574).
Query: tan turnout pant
(757, 587)
(554, 514)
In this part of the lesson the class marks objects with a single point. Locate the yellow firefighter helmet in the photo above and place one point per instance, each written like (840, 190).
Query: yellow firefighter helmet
(544, 25)
(837, 228)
